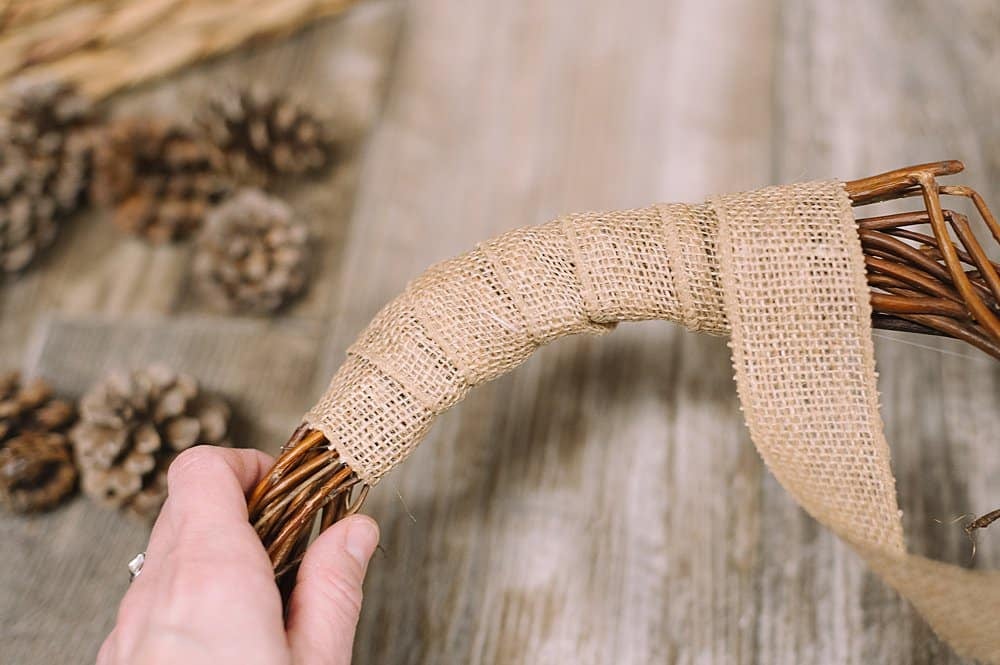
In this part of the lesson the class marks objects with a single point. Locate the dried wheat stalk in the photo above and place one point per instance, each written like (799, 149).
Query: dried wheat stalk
(105, 45)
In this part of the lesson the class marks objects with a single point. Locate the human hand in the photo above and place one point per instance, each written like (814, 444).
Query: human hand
(207, 594)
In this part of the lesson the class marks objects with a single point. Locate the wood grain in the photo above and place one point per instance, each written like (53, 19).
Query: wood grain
(923, 94)
(602, 504)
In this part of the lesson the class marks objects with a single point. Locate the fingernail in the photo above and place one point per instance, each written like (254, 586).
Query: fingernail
(362, 537)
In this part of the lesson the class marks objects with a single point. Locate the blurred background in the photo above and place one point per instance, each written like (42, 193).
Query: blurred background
(604, 503)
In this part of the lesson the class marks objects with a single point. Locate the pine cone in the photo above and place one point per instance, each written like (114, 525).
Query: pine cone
(251, 256)
(47, 139)
(30, 409)
(264, 135)
(36, 467)
(132, 425)
(36, 472)
(160, 179)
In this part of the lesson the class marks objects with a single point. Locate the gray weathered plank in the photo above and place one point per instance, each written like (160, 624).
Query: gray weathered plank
(600, 504)
(862, 88)
(534, 542)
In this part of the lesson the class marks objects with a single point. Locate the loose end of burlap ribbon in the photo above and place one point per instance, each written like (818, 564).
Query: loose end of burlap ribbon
(780, 270)
(797, 301)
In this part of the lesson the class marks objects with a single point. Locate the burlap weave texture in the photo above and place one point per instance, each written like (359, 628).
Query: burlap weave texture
(780, 269)
(472, 318)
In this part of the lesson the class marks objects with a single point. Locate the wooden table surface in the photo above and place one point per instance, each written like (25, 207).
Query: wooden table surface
(602, 504)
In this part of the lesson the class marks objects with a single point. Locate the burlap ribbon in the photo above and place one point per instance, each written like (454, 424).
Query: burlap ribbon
(780, 270)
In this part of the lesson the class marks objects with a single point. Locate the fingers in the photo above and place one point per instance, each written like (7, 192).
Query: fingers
(205, 516)
(204, 519)
(326, 602)
(106, 654)
(206, 499)
(215, 480)
(206, 573)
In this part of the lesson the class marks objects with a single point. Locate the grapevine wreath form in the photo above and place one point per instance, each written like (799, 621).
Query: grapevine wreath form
(788, 273)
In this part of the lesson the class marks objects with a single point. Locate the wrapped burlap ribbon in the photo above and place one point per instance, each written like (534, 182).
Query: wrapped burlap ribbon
(780, 270)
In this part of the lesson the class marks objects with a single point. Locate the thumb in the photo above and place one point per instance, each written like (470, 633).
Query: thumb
(325, 604)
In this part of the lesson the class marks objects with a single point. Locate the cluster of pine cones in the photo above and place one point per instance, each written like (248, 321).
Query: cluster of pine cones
(46, 159)
(163, 181)
(119, 442)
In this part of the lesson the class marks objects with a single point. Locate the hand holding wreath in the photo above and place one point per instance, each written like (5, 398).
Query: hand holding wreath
(206, 593)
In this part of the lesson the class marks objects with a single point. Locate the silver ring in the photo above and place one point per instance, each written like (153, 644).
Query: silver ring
(135, 566)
